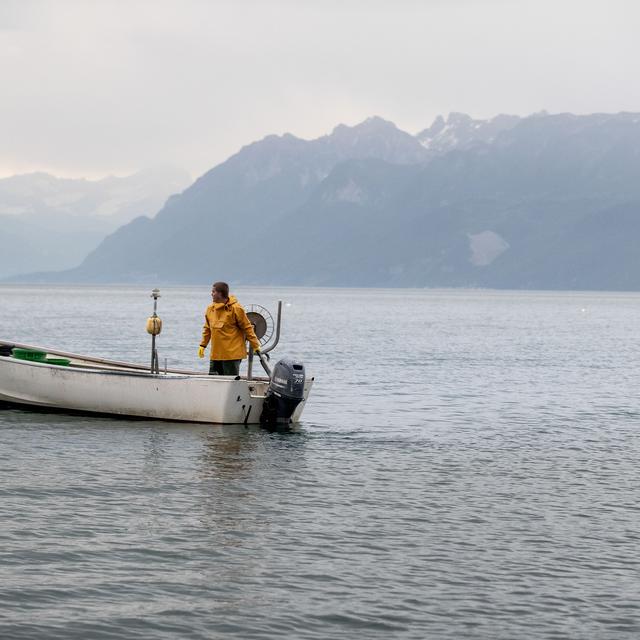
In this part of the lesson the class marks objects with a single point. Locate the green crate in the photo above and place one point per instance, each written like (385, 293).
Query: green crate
(62, 362)
(28, 354)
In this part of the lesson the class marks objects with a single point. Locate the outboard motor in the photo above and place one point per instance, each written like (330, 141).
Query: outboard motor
(285, 392)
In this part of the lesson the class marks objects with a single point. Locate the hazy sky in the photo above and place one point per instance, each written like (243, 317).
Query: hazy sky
(108, 86)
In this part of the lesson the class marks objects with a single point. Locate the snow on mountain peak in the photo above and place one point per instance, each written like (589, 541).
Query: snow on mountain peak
(460, 131)
(374, 137)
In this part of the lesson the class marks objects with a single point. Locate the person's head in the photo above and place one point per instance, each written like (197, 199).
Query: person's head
(220, 291)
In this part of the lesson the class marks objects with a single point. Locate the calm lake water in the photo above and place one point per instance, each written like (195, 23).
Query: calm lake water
(467, 467)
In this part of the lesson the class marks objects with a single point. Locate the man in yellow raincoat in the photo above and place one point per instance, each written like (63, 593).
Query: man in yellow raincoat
(227, 327)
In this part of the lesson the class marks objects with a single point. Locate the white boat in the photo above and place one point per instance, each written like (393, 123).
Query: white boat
(96, 385)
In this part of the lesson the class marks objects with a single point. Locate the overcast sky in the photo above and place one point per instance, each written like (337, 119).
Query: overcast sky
(90, 88)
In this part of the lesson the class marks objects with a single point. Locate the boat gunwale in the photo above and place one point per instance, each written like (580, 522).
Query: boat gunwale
(87, 369)
(132, 368)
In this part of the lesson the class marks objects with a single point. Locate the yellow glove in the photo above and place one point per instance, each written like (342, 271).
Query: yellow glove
(257, 350)
(201, 352)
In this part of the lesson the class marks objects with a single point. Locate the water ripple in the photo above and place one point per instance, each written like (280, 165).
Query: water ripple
(476, 478)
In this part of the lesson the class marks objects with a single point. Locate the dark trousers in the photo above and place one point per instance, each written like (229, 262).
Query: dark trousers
(224, 367)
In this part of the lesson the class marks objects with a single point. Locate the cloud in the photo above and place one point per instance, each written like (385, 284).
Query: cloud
(108, 86)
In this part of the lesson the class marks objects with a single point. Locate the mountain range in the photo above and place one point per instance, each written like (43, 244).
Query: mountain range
(51, 223)
(546, 201)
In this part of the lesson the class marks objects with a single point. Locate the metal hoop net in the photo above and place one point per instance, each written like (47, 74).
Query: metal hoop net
(262, 321)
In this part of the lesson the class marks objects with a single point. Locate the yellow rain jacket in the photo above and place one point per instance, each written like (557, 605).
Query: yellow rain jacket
(227, 326)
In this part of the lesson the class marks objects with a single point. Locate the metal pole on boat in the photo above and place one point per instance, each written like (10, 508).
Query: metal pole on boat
(250, 364)
(154, 327)
(277, 339)
(263, 362)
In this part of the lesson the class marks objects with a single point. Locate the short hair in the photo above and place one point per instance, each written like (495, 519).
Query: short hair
(222, 288)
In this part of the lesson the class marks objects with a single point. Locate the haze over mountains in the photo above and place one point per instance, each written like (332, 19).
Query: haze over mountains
(52, 223)
(547, 201)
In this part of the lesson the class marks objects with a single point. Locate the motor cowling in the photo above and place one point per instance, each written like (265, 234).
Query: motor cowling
(285, 392)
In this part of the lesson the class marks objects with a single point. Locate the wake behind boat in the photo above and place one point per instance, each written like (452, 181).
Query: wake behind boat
(70, 381)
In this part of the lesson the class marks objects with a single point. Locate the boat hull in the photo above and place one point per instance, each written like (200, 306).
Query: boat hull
(164, 396)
